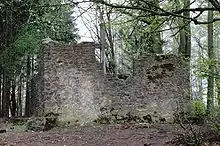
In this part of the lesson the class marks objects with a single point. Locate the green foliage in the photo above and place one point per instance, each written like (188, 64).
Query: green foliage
(28, 41)
(214, 117)
(42, 19)
(217, 81)
(43, 124)
(204, 68)
(20, 121)
(140, 32)
(51, 121)
(197, 108)
(55, 21)
(196, 112)
(139, 37)
(35, 124)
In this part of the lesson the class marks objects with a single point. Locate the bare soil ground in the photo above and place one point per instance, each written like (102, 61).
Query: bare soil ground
(99, 135)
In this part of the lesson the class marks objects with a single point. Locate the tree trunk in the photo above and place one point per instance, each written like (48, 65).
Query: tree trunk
(110, 39)
(102, 39)
(13, 100)
(6, 94)
(185, 33)
(157, 44)
(28, 98)
(218, 90)
(32, 88)
(1, 91)
(182, 41)
(19, 99)
(200, 79)
(211, 55)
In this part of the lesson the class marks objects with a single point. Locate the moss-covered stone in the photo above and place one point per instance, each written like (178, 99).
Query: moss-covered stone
(35, 124)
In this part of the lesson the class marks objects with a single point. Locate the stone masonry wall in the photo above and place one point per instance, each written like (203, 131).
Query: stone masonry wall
(72, 81)
(77, 89)
(159, 85)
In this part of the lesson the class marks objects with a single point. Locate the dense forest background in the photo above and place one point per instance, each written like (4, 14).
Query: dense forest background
(23, 26)
(126, 30)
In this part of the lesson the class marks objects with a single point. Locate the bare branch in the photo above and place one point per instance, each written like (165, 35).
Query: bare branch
(164, 13)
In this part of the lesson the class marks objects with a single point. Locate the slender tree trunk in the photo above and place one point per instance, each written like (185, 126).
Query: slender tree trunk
(187, 30)
(200, 78)
(110, 39)
(211, 55)
(32, 88)
(5, 86)
(182, 38)
(218, 90)
(158, 44)
(13, 100)
(217, 80)
(1, 91)
(19, 99)
(28, 98)
(182, 41)
(185, 33)
(102, 39)
(185, 39)
(7, 97)
(6, 94)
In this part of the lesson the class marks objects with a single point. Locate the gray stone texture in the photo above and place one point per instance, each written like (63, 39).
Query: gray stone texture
(72, 81)
(77, 89)
(159, 87)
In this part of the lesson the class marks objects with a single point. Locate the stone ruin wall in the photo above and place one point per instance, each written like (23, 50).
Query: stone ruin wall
(159, 85)
(77, 89)
(72, 81)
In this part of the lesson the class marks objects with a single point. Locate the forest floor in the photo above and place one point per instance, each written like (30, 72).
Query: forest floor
(96, 135)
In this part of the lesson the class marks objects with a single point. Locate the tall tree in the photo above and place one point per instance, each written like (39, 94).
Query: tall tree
(211, 55)
(185, 31)
(13, 105)
(23, 25)
(19, 97)
(102, 37)
(28, 96)
(6, 94)
(0, 91)
(54, 19)
(109, 32)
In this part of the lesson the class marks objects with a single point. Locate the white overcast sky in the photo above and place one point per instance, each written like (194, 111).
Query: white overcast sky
(83, 31)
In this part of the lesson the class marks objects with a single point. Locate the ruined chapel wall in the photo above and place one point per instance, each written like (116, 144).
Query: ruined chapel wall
(159, 84)
(77, 89)
(72, 82)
